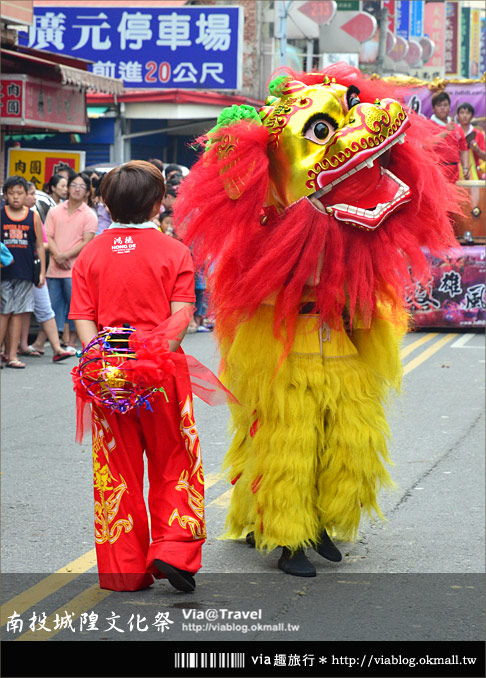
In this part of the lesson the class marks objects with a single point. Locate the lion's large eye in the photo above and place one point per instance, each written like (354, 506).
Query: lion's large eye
(318, 130)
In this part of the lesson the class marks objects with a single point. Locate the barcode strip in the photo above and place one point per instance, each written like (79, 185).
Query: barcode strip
(213, 660)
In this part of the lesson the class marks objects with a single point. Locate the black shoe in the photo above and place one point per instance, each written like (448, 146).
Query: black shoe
(296, 563)
(180, 579)
(250, 539)
(327, 549)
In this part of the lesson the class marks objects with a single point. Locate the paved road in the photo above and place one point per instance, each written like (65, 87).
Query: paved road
(412, 577)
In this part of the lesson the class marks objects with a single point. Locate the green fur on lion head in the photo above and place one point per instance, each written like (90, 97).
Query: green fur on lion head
(235, 114)
(230, 115)
(276, 85)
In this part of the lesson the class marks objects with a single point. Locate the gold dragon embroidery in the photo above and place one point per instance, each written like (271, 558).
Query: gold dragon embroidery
(198, 530)
(110, 495)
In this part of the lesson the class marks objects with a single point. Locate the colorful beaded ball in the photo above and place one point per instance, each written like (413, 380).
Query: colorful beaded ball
(105, 372)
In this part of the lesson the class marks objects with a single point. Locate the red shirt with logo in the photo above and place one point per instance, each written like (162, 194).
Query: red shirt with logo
(131, 275)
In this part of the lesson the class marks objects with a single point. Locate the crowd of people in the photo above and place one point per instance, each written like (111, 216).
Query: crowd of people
(44, 240)
(464, 152)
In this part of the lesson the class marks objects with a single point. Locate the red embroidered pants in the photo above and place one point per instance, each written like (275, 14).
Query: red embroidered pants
(169, 437)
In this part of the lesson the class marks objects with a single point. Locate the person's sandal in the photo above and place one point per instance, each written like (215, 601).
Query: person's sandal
(61, 356)
(31, 352)
(15, 365)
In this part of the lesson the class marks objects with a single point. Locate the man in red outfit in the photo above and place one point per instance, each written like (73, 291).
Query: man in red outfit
(455, 151)
(132, 273)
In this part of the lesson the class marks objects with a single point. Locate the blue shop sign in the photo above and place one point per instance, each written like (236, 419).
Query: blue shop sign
(402, 18)
(417, 19)
(184, 47)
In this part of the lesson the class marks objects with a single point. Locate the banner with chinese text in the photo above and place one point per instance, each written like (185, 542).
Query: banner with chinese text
(434, 29)
(482, 65)
(38, 166)
(455, 297)
(184, 47)
(475, 44)
(417, 10)
(402, 18)
(11, 100)
(30, 102)
(452, 39)
(420, 98)
(465, 30)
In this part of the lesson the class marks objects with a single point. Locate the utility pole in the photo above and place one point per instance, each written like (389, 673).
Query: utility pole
(383, 27)
(283, 7)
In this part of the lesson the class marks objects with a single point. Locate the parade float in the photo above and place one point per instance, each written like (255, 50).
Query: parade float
(455, 295)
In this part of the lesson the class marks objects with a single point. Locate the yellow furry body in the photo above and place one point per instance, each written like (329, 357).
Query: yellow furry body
(310, 436)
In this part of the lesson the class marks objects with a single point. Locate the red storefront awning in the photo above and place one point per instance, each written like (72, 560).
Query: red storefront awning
(60, 69)
(173, 96)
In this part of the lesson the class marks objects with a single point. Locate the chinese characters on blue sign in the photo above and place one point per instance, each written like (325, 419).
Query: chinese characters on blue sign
(417, 9)
(402, 19)
(409, 18)
(184, 47)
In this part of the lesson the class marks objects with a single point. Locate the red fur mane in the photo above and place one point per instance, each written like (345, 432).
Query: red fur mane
(248, 261)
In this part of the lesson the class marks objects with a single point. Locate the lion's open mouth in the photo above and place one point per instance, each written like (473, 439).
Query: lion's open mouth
(365, 195)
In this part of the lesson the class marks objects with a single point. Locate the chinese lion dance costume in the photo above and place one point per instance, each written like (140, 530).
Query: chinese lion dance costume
(310, 217)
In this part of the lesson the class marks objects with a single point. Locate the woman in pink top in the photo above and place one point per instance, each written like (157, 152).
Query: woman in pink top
(69, 227)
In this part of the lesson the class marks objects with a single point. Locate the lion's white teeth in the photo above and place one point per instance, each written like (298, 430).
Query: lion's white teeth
(317, 203)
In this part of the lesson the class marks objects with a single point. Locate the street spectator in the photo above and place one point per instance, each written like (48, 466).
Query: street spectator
(66, 171)
(149, 288)
(93, 177)
(167, 223)
(157, 163)
(31, 197)
(104, 218)
(174, 181)
(69, 226)
(169, 199)
(475, 140)
(171, 170)
(455, 150)
(57, 188)
(42, 309)
(22, 234)
(201, 302)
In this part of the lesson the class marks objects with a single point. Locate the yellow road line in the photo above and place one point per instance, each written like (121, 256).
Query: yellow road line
(211, 479)
(75, 607)
(81, 603)
(54, 582)
(47, 586)
(419, 342)
(223, 499)
(428, 353)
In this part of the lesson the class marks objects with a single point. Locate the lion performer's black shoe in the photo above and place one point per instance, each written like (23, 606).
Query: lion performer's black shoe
(250, 539)
(296, 563)
(327, 549)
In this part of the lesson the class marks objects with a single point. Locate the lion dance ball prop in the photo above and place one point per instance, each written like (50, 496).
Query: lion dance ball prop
(106, 376)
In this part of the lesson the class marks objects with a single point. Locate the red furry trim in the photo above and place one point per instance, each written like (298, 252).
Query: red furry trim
(370, 89)
(205, 215)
